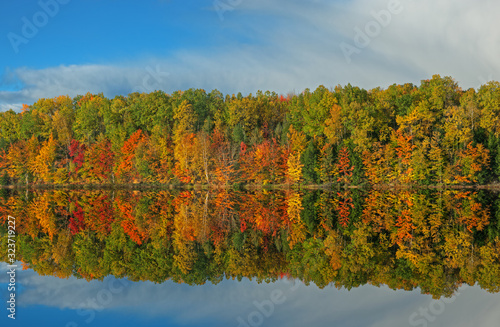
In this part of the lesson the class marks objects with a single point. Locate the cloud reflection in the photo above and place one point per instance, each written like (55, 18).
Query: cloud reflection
(224, 303)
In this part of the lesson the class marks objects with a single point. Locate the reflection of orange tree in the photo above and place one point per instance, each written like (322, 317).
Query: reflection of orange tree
(391, 213)
(100, 213)
(162, 212)
(266, 213)
(125, 212)
(224, 217)
(77, 219)
(184, 219)
(334, 249)
(92, 211)
(434, 241)
(375, 210)
(469, 211)
(15, 206)
(404, 222)
(344, 205)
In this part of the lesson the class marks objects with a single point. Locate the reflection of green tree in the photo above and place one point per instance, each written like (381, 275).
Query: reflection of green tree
(455, 239)
(309, 262)
(88, 254)
(488, 273)
(309, 213)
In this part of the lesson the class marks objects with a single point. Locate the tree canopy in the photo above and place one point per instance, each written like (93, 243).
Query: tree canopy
(435, 133)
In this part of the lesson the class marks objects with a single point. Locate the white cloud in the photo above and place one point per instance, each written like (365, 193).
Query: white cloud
(224, 303)
(363, 306)
(8, 106)
(298, 46)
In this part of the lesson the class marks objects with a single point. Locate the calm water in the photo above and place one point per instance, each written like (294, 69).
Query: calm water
(264, 258)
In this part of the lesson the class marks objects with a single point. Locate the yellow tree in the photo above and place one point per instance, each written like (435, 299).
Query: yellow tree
(297, 144)
(160, 157)
(374, 165)
(16, 161)
(185, 161)
(458, 131)
(404, 151)
(243, 112)
(62, 120)
(42, 166)
(184, 140)
(489, 104)
(203, 152)
(333, 125)
(437, 161)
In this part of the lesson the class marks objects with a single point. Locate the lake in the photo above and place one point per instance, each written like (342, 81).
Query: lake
(252, 258)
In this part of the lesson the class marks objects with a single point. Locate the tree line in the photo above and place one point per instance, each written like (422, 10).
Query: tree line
(435, 133)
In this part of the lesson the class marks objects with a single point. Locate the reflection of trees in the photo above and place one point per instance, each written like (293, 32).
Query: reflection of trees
(432, 240)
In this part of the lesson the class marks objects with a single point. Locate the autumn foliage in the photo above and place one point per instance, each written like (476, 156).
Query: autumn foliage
(432, 240)
(434, 133)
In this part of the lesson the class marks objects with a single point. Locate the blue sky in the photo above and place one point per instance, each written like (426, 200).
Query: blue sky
(51, 301)
(70, 47)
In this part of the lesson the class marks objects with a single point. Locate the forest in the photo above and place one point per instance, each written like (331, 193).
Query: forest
(432, 134)
(434, 240)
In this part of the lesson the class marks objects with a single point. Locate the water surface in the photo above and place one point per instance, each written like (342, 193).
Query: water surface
(212, 258)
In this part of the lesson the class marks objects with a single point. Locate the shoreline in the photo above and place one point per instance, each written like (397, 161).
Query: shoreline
(249, 187)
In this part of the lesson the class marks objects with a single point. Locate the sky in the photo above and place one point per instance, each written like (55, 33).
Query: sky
(51, 301)
(70, 47)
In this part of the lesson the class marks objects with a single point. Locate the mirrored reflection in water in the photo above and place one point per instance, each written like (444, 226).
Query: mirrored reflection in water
(348, 258)
(51, 301)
